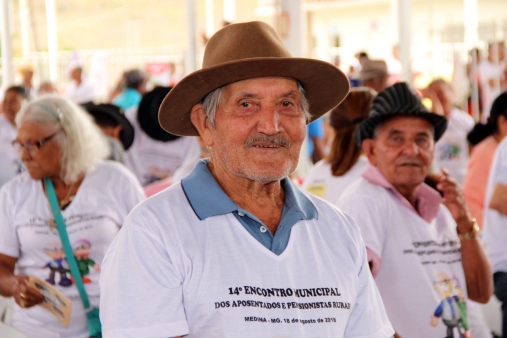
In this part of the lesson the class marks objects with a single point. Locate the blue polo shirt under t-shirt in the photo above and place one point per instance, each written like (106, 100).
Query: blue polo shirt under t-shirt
(208, 199)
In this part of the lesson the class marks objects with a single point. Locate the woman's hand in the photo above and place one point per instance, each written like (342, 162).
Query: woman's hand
(24, 295)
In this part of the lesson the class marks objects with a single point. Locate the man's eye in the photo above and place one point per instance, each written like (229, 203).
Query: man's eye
(246, 104)
(286, 103)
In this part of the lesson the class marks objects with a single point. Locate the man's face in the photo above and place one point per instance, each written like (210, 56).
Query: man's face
(259, 129)
(11, 105)
(403, 151)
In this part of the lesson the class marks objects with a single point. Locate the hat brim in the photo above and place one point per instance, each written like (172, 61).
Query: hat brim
(367, 127)
(147, 115)
(325, 86)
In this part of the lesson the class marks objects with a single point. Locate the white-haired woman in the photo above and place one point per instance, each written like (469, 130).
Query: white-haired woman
(58, 140)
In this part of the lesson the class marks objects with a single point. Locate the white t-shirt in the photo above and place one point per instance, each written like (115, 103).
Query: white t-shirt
(10, 164)
(495, 224)
(451, 151)
(93, 219)
(151, 160)
(321, 182)
(211, 278)
(417, 257)
(83, 93)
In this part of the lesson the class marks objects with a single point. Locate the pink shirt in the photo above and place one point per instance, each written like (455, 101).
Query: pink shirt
(476, 179)
(427, 200)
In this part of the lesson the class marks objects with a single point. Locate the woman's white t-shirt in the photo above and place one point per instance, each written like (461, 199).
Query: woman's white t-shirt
(321, 182)
(93, 219)
(495, 223)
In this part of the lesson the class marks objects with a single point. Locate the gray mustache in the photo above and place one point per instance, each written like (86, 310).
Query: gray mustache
(409, 162)
(278, 141)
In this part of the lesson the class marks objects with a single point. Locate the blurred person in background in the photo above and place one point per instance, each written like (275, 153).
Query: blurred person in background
(491, 76)
(14, 99)
(374, 75)
(45, 88)
(79, 89)
(58, 140)
(474, 76)
(344, 164)
(155, 154)
(115, 126)
(451, 151)
(131, 89)
(354, 69)
(485, 138)
(26, 73)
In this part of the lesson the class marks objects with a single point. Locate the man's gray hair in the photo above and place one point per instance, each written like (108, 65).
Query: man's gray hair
(212, 101)
(82, 143)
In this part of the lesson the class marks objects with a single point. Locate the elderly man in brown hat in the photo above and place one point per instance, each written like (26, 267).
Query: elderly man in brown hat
(235, 250)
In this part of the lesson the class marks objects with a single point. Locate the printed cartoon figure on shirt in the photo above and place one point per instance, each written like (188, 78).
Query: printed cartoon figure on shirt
(452, 309)
(82, 248)
(449, 151)
(58, 263)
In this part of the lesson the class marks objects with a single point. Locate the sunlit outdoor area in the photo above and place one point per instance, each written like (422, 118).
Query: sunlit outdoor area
(253, 168)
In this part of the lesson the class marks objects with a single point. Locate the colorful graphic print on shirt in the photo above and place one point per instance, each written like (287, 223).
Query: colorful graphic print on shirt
(58, 263)
(452, 310)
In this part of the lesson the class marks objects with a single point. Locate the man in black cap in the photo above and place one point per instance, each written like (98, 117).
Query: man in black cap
(423, 245)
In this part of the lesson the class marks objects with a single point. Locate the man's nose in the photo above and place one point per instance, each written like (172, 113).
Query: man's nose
(268, 123)
(24, 154)
(410, 148)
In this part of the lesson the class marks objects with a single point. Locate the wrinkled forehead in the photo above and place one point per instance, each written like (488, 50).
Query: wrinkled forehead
(408, 124)
(259, 84)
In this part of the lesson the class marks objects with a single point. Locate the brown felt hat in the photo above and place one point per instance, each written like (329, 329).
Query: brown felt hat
(244, 51)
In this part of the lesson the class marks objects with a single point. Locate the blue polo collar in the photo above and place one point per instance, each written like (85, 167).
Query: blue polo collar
(208, 199)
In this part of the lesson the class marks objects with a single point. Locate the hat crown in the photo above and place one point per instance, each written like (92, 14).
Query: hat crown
(243, 41)
(396, 99)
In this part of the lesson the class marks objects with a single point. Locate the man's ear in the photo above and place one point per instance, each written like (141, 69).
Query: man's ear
(200, 121)
(368, 147)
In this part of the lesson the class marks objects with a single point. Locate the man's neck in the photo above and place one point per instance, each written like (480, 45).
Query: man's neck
(264, 200)
(410, 194)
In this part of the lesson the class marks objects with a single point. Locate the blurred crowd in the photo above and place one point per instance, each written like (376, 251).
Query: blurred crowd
(145, 159)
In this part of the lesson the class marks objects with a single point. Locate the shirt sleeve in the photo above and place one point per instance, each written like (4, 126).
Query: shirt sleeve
(141, 288)
(9, 243)
(368, 318)
(370, 218)
(131, 194)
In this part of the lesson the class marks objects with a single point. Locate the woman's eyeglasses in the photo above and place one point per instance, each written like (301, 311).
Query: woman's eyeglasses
(32, 146)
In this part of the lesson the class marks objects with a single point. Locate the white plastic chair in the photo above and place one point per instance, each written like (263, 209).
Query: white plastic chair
(6, 330)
